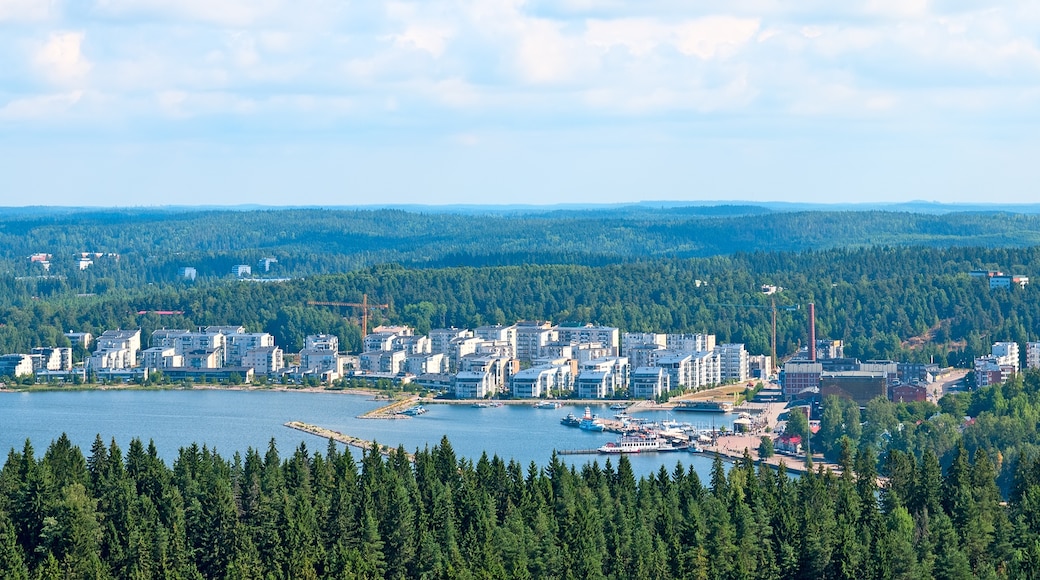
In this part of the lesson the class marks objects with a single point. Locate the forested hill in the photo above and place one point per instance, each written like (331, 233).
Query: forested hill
(309, 241)
(875, 299)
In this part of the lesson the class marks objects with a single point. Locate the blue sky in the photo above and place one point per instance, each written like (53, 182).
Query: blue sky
(181, 102)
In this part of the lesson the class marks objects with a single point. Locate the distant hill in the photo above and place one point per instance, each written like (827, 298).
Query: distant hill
(154, 242)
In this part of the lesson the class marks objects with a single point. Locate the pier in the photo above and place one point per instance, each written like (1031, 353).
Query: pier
(594, 451)
(391, 410)
(357, 442)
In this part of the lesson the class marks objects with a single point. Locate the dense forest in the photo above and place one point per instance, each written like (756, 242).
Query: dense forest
(908, 303)
(314, 515)
(154, 244)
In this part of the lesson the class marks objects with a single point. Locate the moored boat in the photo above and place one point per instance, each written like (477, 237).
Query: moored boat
(704, 406)
(548, 405)
(642, 442)
(590, 422)
(570, 420)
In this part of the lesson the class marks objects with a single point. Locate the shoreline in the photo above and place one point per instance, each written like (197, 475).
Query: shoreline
(267, 388)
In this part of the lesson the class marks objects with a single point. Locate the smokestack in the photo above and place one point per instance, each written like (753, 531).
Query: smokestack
(812, 332)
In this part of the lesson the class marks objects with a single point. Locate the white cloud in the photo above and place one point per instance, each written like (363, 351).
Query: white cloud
(61, 61)
(27, 10)
(41, 107)
(704, 38)
(431, 39)
(224, 12)
(718, 35)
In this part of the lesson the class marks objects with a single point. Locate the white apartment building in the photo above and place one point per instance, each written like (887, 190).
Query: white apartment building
(631, 340)
(1033, 355)
(116, 349)
(640, 355)
(1007, 354)
(531, 337)
(594, 385)
(321, 342)
(473, 385)
(690, 342)
(238, 345)
(373, 361)
(617, 369)
(426, 363)
(186, 341)
(541, 380)
(52, 359)
(15, 365)
(379, 341)
(499, 368)
(505, 335)
(733, 360)
(608, 336)
(441, 338)
(161, 357)
(462, 347)
(648, 383)
(587, 351)
(559, 349)
(678, 365)
(264, 359)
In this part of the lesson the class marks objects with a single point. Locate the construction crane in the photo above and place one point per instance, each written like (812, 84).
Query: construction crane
(773, 307)
(363, 305)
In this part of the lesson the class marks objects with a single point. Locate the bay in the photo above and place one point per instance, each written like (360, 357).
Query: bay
(230, 421)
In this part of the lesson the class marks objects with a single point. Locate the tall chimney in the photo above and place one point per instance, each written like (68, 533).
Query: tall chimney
(812, 332)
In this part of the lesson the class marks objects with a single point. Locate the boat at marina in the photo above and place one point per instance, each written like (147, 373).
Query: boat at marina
(643, 442)
(570, 420)
(414, 411)
(619, 406)
(548, 405)
(590, 422)
(704, 406)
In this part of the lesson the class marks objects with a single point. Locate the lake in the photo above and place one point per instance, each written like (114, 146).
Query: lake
(230, 421)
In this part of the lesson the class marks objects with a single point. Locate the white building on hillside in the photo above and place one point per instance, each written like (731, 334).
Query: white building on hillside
(116, 349)
(1033, 355)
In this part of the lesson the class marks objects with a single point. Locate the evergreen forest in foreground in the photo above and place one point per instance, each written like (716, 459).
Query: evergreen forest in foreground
(938, 499)
(314, 515)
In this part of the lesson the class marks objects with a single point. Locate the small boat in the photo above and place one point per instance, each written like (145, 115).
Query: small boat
(619, 406)
(548, 405)
(570, 420)
(413, 411)
(481, 405)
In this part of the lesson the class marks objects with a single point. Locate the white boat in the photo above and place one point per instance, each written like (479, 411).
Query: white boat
(590, 422)
(548, 405)
(642, 442)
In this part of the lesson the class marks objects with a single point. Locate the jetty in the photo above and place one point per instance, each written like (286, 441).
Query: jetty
(357, 442)
(392, 410)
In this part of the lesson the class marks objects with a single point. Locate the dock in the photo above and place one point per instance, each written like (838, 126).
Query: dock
(391, 410)
(356, 442)
(577, 451)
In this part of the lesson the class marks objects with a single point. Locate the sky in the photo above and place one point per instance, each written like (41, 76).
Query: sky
(359, 102)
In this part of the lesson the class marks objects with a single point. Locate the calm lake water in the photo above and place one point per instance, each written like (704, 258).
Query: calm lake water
(232, 421)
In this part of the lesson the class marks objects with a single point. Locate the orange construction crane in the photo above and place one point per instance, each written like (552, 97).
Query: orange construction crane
(363, 305)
